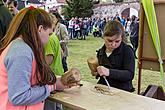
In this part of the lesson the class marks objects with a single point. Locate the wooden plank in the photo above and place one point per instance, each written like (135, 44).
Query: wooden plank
(87, 98)
(159, 1)
(147, 56)
(152, 91)
(148, 49)
(160, 93)
(140, 50)
(155, 91)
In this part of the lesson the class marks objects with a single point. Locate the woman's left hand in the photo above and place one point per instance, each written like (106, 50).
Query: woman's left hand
(102, 71)
(60, 86)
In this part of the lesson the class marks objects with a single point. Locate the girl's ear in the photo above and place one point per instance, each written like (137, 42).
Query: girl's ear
(40, 28)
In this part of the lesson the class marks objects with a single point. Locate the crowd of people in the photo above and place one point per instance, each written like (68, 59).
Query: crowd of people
(34, 51)
(80, 28)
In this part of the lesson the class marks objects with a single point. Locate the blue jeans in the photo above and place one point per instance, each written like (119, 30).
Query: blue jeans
(71, 34)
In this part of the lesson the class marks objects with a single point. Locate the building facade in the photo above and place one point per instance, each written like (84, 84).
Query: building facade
(125, 9)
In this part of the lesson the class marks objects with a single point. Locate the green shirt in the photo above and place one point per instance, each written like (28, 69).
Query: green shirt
(53, 48)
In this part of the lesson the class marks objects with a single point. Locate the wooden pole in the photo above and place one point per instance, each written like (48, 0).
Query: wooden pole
(141, 31)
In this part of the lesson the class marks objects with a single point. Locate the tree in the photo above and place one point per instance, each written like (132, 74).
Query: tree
(78, 8)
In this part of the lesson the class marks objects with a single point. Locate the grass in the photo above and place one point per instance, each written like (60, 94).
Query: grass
(80, 50)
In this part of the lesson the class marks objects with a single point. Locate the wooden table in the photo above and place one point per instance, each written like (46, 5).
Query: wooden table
(87, 98)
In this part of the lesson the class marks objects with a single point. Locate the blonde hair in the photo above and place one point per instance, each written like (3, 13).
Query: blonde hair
(54, 20)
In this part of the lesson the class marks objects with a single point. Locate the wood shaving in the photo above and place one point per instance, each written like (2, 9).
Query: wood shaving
(103, 90)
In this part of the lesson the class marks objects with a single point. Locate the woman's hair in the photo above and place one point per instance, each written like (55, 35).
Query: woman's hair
(57, 15)
(112, 28)
(54, 21)
(26, 23)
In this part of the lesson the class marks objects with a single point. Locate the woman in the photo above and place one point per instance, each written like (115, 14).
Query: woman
(62, 34)
(25, 78)
(54, 60)
(53, 51)
(116, 59)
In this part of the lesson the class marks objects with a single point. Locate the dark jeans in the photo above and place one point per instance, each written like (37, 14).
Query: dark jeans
(71, 33)
(64, 64)
(95, 34)
(134, 42)
(49, 105)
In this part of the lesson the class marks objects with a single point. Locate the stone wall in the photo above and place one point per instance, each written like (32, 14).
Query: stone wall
(110, 9)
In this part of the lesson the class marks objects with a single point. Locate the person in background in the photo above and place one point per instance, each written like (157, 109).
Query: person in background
(134, 33)
(12, 5)
(77, 30)
(116, 58)
(71, 28)
(127, 27)
(5, 19)
(123, 21)
(62, 34)
(25, 78)
(117, 17)
(53, 51)
(95, 30)
(54, 60)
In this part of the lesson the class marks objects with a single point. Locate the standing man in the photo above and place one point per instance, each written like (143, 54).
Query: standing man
(5, 19)
(134, 33)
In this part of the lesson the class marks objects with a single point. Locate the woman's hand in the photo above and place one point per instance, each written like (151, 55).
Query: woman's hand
(60, 86)
(102, 71)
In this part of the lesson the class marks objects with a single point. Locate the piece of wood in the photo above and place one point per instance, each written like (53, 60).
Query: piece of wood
(151, 91)
(147, 56)
(87, 98)
(140, 50)
(155, 91)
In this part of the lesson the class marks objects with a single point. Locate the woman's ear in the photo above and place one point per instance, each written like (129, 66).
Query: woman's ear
(40, 28)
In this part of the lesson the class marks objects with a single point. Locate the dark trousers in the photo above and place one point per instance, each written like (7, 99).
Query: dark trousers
(49, 105)
(134, 42)
(64, 64)
(95, 34)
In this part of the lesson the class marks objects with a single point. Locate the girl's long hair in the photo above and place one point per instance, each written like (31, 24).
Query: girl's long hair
(26, 24)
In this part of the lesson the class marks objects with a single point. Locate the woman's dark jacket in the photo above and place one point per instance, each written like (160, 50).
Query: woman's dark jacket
(121, 65)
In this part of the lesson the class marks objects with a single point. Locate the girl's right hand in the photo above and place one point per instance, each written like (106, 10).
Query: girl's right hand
(59, 85)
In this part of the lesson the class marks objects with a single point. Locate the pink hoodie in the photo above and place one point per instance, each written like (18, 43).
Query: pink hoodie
(5, 104)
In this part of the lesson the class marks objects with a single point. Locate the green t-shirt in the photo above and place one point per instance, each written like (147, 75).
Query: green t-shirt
(53, 48)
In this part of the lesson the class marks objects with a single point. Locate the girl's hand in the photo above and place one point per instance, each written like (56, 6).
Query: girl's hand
(59, 85)
(102, 71)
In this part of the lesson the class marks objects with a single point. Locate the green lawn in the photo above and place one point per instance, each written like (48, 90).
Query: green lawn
(80, 50)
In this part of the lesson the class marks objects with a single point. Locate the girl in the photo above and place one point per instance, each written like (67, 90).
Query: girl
(116, 59)
(25, 78)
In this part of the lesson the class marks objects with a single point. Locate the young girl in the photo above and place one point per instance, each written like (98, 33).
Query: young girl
(25, 78)
(116, 59)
